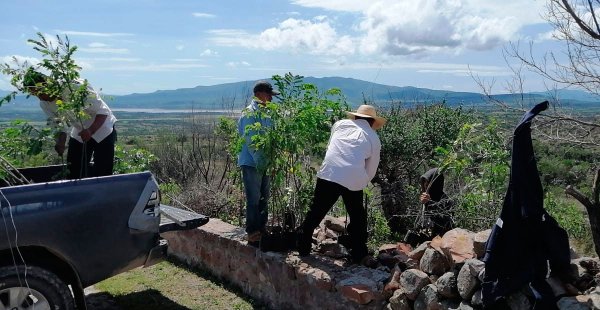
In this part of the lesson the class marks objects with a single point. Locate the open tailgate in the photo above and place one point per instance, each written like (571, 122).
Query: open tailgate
(178, 219)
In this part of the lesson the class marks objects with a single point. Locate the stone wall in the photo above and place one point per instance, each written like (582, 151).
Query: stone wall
(282, 281)
(444, 273)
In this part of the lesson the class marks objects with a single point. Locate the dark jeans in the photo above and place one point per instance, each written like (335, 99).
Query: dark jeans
(79, 156)
(326, 194)
(256, 188)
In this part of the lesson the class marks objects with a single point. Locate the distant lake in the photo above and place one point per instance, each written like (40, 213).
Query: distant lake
(143, 110)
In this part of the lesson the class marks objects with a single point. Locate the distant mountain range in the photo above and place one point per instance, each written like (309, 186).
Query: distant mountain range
(356, 91)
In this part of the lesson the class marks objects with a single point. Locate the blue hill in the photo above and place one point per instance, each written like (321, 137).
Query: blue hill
(236, 95)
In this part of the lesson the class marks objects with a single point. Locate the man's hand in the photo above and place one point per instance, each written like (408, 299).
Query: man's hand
(85, 135)
(425, 198)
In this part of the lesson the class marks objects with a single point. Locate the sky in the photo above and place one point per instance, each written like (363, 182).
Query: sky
(140, 46)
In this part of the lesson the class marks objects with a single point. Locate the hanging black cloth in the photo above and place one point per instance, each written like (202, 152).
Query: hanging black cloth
(525, 237)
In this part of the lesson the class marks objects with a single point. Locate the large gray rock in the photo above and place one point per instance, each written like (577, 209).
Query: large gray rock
(477, 299)
(334, 223)
(479, 240)
(572, 303)
(428, 299)
(399, 301)
(418, 252)
(434, 262)
(594, 298)
(412, 281)
(583, 279)
(467, 282)
(450, 304)
(591, 265)
(446, 285)
(475, 266)
(332, 249)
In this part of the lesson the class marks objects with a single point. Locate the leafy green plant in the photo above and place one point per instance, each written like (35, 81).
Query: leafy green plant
(476, 166)
(408, 143)
(62, 74)
(169, 190)
(22, 144)
(379, 230)
(301, 122)
(569, 216)
(60, 81)
(129, 160)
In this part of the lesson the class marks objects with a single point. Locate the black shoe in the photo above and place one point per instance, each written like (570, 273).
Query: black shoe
(304, 244)
(344, 239)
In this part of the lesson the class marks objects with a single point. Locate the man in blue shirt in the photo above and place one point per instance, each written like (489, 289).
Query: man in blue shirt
(253, 162)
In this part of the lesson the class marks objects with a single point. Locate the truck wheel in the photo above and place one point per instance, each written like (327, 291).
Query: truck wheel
(40, 289)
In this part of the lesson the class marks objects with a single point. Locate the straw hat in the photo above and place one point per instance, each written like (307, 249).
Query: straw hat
(366, 110)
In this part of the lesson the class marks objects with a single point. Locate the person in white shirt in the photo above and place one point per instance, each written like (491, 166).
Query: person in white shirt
(350, 164)
(92, 135)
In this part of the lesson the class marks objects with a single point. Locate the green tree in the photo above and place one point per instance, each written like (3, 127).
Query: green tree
(476, 169)
(62, 73)
(58, 64)
(408, 142)
(301, 123)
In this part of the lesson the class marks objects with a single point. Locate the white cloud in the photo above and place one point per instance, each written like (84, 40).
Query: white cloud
(94, 34)
(303, 36)
(104, 50)
(203, 15)
(18, 60)
(209, 52)
(97, 44)
(235, 64)
(335, 5)
(187, 59)
(180, 47)
(419, 27)
(110, 59)
(402, 28)
(5, 84)
(546, 36)
(85, 65)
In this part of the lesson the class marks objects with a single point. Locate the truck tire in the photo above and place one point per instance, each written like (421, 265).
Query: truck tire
(41, 289)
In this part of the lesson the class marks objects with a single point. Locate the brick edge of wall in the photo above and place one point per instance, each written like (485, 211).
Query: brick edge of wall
(280, 280)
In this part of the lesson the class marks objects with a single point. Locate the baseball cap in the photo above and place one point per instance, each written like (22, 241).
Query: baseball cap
(264, 86)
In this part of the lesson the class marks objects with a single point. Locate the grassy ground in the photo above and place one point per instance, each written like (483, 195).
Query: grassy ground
(171, 286)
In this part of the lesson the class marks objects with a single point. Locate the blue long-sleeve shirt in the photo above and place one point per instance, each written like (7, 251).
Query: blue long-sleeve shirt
(251, 156)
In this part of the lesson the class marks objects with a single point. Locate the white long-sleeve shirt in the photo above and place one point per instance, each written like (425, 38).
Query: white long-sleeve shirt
(352, 154)
(94, 106)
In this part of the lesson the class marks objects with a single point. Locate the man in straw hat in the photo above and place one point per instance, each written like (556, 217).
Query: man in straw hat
(350, 163)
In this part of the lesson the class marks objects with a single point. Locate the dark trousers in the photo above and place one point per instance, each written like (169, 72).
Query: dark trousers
(326, 194)
(80, 154)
